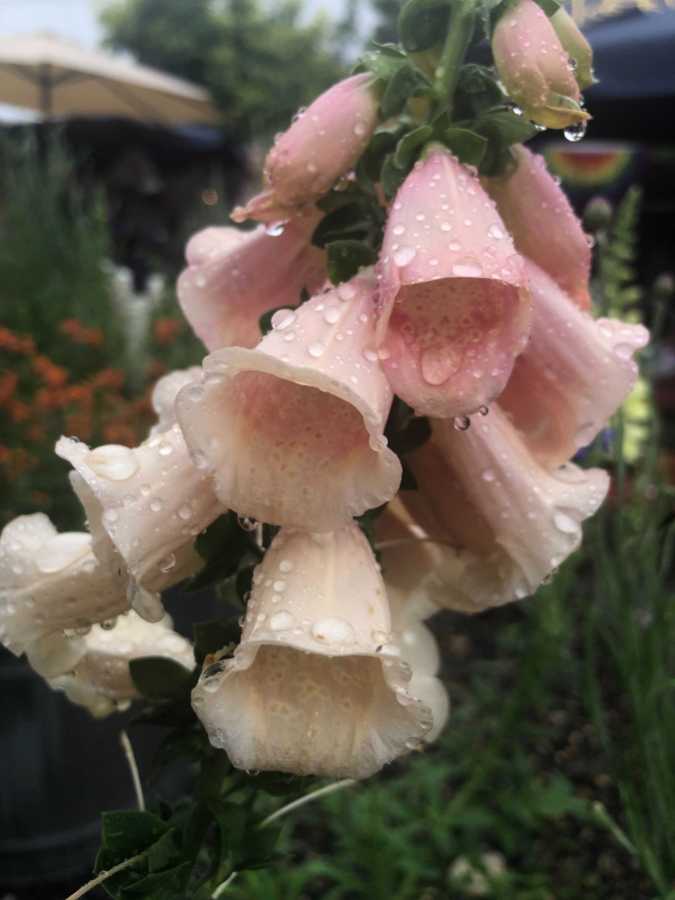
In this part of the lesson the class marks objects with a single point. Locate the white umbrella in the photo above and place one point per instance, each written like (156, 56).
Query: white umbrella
(59, 78)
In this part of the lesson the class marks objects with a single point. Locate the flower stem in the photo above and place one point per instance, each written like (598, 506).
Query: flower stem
(460, 32)
(103, 876)
(308, 798)
(133, 768)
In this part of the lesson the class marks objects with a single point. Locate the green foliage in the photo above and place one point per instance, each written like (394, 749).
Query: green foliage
(245, 51)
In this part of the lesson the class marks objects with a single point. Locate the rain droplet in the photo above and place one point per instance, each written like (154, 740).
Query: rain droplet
(282, 318)
(285, 565)
(398, 230)
(168, 563)
(185, 512)
(282, 620)
(461, 423)
(576, 132)
(565, 523)
(165, 449)
(488, 475)
(496, 232)
(275, 229)
(247, 523)
(156, 505)
(112, 461)
(332, 315)
(404, 255)
(333, 631)
(316, 350)
(346, 292)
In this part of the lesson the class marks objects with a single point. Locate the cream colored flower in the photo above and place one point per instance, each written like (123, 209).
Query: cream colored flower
(100, 680)
(316, 686)
(50, 582)
(144, 505)
(293, 430)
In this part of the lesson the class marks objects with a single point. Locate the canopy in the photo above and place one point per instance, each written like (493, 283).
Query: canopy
(59, 78)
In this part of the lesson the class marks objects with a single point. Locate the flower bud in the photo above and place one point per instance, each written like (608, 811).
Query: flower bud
(323, 143)
(576, 46)
(534, 66)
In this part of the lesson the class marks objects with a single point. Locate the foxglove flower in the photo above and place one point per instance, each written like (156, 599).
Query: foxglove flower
(100, 679)
(50, 582)
(574, 374)
(316, 687)
(164, 394)
(293, 430)
(453, 312)
(144, 505)
(512, 521)
(233, 277)
(323, 143)
(534, 66)
(542, 223)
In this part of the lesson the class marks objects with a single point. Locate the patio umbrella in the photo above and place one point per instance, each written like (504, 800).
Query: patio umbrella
(56, 77)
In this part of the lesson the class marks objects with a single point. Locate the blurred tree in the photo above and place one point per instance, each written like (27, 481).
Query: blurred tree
(260, 61)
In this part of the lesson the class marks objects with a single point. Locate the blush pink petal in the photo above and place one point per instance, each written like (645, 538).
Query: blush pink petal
(315, 686)
(534, 66)
(453, 311)
(511, 521)
(293, 430)
(164, 397)
(145, 505)
(234, 276)
(542, 223)
(323, 143)
(574, 374)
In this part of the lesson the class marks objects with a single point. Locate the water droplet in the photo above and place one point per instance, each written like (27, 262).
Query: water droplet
(496, 232)
(398, 230)
(576, 132)
(279, 586)
(275, 229)
(346, 292)
(282, 620)
(282, 319)
(360, 129)
(461, 423)
(467, 270)
(332, 315)
(108, 624)
(488, 475)
(483, 410)
(624, 351)
(185, 512)
(316, 350)
(110, 516)
(333, 631)
(285, 565)
(156, 505)
(165, 449)
(404, 255)
(112, 461)
(370, 354)
(168, 563)
(516, 110)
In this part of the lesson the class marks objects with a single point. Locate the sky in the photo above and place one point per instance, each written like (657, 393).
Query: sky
(77, 20)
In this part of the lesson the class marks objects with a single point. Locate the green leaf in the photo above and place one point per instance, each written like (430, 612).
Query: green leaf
(477, 91)
(224, 546)
(391, 176)
(407, 82)
(167, 885)
(407, 147)
(423, 24)
(550, 7)
(383, 61)
(127, 832)
(505, 126)
(164, 852)
(345, 258)
(160, 678)
(345, 222)
(468, 146)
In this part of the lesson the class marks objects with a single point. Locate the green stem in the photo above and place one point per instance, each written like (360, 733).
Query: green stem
(460, 31)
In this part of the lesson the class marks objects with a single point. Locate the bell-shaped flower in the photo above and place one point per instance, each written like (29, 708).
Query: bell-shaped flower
(511, 521)
(453, 312)
(164, 394)
(413, 569)
(323, 143)
(145, 505)
(316, 687)
(234, 276)
(534, 66)
(50, 582)
(576, 46)
(542, 223)
(293, 429)
(574, 374)
(100, 680)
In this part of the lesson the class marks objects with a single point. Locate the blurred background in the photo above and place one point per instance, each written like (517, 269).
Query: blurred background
(124, 127)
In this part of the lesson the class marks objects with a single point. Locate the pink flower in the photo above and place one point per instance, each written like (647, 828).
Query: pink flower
(534, 66)
(574, 374)
(510, 521)
(542, 223)
(576, 46)
(323, 143)
(317, 685)
(234, 276)
(453, 312)
(293, 430)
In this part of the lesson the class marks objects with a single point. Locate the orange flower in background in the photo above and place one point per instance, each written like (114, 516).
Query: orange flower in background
(14, 342)
(120, 433)
(18, 411)
(49, 372)
(8, 383)
(81, 334)
(108, 378)
(5, 455)
(166, 330)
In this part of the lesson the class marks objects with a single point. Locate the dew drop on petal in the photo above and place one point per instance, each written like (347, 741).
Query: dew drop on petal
(112, 461)
(316, 349)
(333, 631)
(404, 255)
